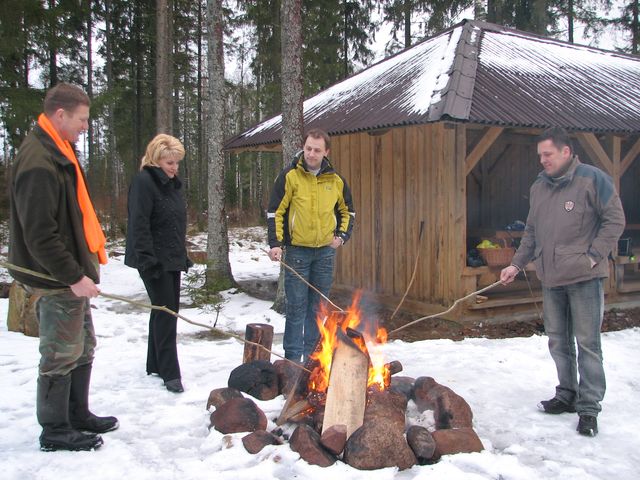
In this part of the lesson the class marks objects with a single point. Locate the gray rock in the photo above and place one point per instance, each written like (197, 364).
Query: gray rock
(334, 438)
(219, 396)
(258, 378)
(450, 410)
(306, 441)
(375, 445)
(456, 440)
(422, 443)
(256, 441)
(238, 415)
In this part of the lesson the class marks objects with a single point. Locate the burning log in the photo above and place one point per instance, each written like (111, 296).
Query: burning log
(347, 393)
(259, 333)
(300, 389)
(393, 367)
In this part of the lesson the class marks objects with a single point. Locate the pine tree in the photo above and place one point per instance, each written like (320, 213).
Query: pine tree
(218, 267)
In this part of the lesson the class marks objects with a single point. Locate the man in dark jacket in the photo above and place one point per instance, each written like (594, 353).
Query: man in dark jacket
(310, 214)
(574, 222)
(55, 231)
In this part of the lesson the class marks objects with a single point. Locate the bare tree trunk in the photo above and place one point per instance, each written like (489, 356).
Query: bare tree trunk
(90, 74)
(218, 267)
(112, 164)
(53, 49)
(570, 15)
(164, 106)
(259, 191)
(407, 23)
(635, 28)
(292, 113)
(139, 87)
(200, 173)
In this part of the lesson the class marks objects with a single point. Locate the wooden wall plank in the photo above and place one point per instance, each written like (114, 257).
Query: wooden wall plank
(365, 212)
(414, 207)
(399, 207)
(387, 215)
(356, 193)
(377, 198)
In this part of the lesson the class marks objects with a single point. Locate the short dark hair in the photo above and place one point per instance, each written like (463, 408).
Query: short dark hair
(65, 96)
(317, 133)
(559, 136)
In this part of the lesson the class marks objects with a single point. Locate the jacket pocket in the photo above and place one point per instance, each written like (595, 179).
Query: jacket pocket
(571, 261)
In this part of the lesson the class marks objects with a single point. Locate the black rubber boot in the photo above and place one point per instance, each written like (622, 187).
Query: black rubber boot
(79, 415)
(52, 409)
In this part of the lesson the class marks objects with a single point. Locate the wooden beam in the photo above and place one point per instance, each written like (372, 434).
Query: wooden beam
(616, 147)
(591, 144)
(630, 157)
(481, 148)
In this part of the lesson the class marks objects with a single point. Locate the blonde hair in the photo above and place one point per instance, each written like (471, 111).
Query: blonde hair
(162, 145)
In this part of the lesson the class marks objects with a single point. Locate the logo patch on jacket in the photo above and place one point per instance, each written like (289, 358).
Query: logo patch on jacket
(568, 206)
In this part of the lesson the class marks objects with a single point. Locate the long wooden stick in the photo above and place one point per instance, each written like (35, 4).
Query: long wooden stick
(413, 275)
(455, 304)
(291, 269)
(156, 307)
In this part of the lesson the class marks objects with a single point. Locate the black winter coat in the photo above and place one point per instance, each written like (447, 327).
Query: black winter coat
(157, 224)
(47, 235)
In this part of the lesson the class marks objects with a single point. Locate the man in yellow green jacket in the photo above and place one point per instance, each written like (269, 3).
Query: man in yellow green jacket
(310, 215)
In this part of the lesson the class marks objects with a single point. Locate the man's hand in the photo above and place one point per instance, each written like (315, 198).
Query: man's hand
(275, 254)
(508, 274)
(336, 242)
(85, 288)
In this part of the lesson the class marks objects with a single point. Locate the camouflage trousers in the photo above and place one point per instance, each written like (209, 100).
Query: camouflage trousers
(67, 337)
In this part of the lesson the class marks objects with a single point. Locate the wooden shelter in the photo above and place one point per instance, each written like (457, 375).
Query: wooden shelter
(444, 134)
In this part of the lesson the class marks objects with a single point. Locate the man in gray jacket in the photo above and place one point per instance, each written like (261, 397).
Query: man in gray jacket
(575, 220)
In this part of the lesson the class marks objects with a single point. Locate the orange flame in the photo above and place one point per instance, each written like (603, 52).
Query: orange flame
(328, 324)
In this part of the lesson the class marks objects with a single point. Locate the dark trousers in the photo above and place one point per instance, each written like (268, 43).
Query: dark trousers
(162, 352)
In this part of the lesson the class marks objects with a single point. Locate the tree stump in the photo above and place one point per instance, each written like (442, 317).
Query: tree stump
(259, 333)
(21, 316)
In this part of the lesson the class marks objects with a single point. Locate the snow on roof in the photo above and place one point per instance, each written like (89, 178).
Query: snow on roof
(482, 73)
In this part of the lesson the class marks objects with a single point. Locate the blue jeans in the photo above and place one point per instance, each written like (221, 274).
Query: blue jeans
(67, 336)
(315, 265)
(573, 313)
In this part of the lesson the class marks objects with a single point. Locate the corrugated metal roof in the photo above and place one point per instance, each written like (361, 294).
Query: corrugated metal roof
(481, 73)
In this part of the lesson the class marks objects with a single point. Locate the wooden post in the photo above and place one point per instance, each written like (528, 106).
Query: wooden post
(262, 334)
(347, 393)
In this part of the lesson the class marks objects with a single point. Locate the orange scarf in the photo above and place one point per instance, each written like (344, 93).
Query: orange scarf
(92, 229)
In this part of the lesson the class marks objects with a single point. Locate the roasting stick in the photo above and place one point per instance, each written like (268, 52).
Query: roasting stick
(291, 269)
(413, 275)
(455, 304)
(162, 308)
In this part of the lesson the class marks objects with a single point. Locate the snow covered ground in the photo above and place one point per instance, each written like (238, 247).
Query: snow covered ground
(165, 436)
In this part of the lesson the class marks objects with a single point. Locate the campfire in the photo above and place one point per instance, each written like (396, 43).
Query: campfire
(346, 402)
(368, 341)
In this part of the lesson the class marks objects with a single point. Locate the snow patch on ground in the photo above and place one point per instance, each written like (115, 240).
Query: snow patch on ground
(166, 436)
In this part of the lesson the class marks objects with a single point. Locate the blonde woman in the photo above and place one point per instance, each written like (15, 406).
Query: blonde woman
(156, 232)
